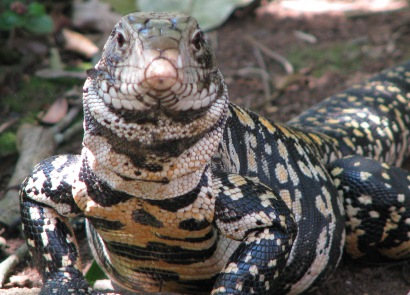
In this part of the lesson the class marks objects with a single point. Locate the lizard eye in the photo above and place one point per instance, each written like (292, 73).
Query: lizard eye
(197, 40)
(120, 40)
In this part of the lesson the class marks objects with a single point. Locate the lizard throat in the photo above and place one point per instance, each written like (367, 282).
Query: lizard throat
(160, 152)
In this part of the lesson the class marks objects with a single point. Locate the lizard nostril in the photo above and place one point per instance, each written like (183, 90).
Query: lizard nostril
(161, 74)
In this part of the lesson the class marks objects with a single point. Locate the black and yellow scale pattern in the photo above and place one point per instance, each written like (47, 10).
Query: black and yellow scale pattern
(186, 192)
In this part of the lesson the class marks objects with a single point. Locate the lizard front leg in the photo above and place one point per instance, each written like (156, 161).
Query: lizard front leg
(250, 212)
(46, 203)
(53, 247)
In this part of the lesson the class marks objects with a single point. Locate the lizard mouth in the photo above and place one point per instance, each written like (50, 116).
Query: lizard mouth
(161, 89)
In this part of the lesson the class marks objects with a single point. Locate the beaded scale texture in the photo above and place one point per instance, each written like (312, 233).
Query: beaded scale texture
(186, 192)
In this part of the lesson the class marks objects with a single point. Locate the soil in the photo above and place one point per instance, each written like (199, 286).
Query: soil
(380, 41)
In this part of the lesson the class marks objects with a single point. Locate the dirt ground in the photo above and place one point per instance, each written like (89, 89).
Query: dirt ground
(377, 41)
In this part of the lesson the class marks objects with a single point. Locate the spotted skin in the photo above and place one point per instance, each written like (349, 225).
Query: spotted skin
(247, 211)
(47, 228)
(186, 192)
(370, 119)
(377, 215)
(288, 161)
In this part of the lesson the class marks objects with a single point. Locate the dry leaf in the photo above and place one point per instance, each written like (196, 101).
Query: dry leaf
(55, 113)
(79, 43)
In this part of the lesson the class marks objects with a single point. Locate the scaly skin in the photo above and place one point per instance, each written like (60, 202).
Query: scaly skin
(186, 192)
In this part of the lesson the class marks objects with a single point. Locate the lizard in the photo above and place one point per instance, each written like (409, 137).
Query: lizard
(184, 191)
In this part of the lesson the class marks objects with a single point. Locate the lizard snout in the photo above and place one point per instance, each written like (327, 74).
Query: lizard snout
(161, 74)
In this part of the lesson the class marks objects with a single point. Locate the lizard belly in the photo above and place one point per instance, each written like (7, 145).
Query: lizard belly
(151, 255)
(153, 244)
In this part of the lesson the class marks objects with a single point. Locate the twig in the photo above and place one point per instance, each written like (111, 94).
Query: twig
(53, 74)
(353, 14)
(69, 133)
(259, 59)
(7, 124)
(248, 71)
(3, 242)
(21, 291)
(8, 265)
(309, 38)
(391, 44)
(274, 55)
(265, 78)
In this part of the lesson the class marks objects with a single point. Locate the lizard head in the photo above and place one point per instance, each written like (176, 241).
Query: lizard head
(158, 62)
(155, 105)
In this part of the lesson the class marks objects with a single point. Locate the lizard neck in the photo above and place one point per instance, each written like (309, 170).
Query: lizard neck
(160, 157)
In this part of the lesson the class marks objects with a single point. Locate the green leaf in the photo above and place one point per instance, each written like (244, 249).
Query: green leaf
(10, 20)
(95, 273)
(209, 14)
(122, 6)
(39, 24)
(36, 9)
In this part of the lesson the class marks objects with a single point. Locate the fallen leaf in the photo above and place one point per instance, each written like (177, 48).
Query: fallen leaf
(55, 113)
(79, 43)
